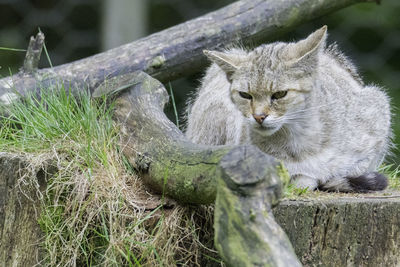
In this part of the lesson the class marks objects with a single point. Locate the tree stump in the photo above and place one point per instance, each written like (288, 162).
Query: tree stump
(343, 230)
(19, 210)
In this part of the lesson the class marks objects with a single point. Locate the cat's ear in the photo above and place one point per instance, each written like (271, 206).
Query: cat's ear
(307, 50)
(228, 62)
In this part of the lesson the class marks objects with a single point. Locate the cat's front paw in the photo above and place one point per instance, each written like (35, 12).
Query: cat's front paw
(303, 182)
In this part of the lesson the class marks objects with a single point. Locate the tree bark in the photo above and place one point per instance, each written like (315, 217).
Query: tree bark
(19, 210)
(177, 51)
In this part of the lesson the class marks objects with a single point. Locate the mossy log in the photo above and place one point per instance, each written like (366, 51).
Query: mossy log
(177, 51)
(248, 183)
(344, 230)
(155, 147)
(246, 233)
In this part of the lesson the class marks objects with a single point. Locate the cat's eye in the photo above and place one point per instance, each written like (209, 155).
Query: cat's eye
(278, 95)
(245, 95)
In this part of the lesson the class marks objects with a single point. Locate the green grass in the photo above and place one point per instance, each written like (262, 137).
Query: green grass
(174, 105)
(12, 49)
(58, 120)
(96, 211)
(392, 172)
(289, 190)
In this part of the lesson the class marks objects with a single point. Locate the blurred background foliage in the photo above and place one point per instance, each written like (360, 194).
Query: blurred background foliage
(368, 33)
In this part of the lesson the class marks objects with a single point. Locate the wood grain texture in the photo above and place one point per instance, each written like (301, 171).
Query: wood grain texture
(343, 230)
(19, 209)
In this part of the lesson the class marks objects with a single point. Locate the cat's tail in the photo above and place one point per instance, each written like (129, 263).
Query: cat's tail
(371, 181)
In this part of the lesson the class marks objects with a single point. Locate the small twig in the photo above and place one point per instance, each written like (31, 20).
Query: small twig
(33, 53)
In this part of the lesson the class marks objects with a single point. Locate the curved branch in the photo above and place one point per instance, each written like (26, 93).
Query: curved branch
(156, 148)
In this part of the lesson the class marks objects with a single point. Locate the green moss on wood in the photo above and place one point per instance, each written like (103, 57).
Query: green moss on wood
(235, 238)
(157, 62)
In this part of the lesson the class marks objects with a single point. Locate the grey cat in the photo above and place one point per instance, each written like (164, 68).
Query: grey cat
(302, 103)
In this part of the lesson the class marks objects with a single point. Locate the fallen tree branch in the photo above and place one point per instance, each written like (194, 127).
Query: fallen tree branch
(156, 148)
(177, 51)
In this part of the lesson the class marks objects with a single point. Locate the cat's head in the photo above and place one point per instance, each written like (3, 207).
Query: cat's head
(271, 85)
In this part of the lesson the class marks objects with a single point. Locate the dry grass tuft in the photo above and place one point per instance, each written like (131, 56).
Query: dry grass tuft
(107, 217)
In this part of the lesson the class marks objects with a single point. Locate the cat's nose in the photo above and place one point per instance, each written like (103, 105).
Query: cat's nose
(259, 117)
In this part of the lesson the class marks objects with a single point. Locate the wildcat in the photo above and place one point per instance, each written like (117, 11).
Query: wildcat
(301, 102)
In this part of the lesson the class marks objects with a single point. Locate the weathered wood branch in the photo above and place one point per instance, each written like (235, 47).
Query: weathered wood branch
(246, 233)
(248, 183)
(155, 146)
(177, 51)
(33, 53)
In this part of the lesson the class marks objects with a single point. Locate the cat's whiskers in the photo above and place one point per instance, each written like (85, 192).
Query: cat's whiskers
(316, 108)
(300, 116)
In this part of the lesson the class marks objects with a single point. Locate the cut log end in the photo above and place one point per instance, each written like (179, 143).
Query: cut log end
(343, 230)
(245, 167)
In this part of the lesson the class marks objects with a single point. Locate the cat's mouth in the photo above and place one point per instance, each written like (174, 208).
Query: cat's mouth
(266, 129)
